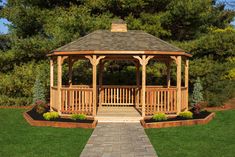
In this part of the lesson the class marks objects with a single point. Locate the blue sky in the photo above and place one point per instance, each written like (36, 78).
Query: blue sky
(4, 22)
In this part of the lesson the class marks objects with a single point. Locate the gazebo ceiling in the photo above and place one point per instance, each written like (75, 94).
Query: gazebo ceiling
(119, 41)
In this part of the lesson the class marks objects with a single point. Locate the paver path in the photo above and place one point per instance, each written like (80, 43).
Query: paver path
(118, 140)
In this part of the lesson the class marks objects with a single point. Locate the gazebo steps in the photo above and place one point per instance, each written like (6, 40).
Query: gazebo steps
(118, 114)
(112, 119)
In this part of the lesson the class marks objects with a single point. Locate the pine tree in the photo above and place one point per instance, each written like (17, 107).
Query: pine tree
(38, 90)
(197, 92)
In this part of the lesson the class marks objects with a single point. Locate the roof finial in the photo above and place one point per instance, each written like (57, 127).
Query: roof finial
(118, 25)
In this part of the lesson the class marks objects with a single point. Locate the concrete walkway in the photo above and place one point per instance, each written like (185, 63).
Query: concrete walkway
(118, 140)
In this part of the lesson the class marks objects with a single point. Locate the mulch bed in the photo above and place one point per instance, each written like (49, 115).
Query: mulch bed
(37, 116)
(203, 118)
(202, 115)
(35, 119)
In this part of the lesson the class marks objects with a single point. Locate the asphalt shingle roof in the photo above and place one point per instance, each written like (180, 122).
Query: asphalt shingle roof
(132, 40)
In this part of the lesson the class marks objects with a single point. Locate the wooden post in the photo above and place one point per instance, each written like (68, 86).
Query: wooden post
(178, 102)
(143, 84)
(143, 61)
(70, 72)
(59, 81)
(168, 79)
(94, 61)
(101, 69)
(138, 84)
(51, 81)
(94, 73)
(186, 68)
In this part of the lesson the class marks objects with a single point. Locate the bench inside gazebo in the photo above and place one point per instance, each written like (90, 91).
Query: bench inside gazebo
(119, 43)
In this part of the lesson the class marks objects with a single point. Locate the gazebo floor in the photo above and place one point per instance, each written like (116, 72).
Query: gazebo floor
(118, 114)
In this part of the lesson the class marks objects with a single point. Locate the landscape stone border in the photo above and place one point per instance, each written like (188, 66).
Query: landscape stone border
(33, 122)
(167, 124)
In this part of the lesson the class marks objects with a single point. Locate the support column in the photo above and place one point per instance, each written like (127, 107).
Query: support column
(143, 61)
(51, 81)
(59, 81)
(94, 61)
(143, 85)
(94, 73)
(168, 79)
(70, 72)
(178, 84)
(186, 69)
(101, 69)
(138, 84)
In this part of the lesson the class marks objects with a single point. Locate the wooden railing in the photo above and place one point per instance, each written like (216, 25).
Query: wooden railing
(184, 104)
(76, 100)
(160, 100)
(54, 99)
(118, 95)
(79, 98)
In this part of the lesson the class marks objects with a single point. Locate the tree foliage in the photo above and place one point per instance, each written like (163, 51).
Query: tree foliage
(202, 27)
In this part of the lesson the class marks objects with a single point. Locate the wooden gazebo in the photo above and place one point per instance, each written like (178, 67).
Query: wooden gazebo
(118, 44)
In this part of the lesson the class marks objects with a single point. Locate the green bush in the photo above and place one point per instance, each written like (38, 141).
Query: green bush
(197, 95)
(38, 90)
(220, 92)
(159, 117)
(186, 115)
(51, 115)
(41, 107)
(78, 117)
(6, 100)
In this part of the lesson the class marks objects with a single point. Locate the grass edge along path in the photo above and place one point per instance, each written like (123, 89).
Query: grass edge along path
(18, 138)
(216, 138)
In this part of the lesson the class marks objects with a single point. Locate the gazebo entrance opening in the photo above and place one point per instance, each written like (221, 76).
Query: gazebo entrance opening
(119, 44)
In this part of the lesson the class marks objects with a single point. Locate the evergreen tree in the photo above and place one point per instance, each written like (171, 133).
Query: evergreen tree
(38, 90)
(197, 92)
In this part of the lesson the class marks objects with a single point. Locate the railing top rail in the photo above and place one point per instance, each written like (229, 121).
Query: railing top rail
(77, 89)
(118, 86)
(161, 89)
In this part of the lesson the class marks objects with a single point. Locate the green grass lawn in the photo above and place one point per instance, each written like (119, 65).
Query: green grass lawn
(216, 139)
(19, 139)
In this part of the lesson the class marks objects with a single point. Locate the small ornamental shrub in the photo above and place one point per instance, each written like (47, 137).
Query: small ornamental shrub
(197, 95)
(50, 115)
(196, 109)
(186, 115)
(38, 90)
(78, 117)
(41, 107)
(159, 117)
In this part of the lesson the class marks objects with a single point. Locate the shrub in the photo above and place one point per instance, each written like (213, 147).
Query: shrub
(78, 116)
(197, 95)
(38, 90)
(159, 117)
(50, 115)
(196, 109)
(41, 107)
(186, 114)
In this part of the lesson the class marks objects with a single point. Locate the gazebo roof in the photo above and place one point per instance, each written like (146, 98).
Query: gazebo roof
(121, 41)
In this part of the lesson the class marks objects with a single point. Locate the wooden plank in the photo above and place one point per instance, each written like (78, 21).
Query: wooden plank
(59, 82)
(51, 83)
(178, 84)
(186, 81)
